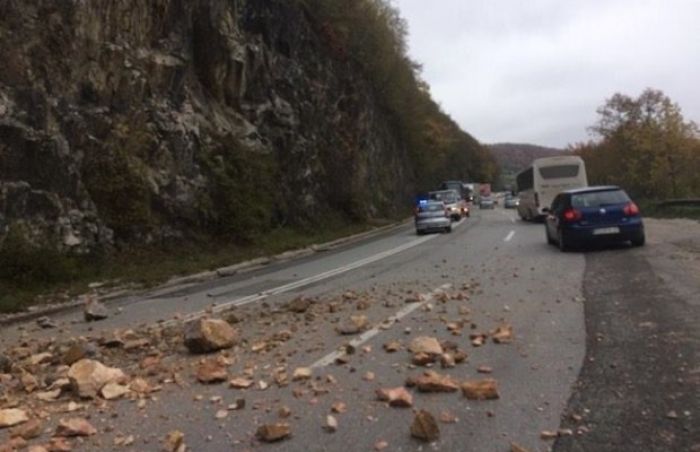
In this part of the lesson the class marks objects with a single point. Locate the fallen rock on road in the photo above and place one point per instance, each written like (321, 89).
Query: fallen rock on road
(424, 427)
(427, 345)
(12, 416)
(94, 310)
(397, 397)
(88, 376)
(270, 433)
(76, 426)
(486, 389)
(209, 335)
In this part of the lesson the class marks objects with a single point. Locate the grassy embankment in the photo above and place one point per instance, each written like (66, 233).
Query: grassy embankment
(655, 210)
(31, 276)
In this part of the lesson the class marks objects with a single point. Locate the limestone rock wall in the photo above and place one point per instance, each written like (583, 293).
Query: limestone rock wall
(137, 121)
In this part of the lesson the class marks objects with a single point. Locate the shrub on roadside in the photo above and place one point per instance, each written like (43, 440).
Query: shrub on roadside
(22, 262)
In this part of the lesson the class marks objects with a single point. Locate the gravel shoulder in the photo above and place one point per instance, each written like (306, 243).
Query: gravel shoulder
(639, 388)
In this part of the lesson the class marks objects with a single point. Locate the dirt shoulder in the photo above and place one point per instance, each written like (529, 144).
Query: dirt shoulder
(639, 388)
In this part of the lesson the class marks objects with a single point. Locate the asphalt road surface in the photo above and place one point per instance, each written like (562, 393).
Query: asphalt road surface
(491, 270)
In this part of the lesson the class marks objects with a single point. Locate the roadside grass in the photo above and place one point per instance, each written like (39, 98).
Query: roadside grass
(49, 279)
(654, 210)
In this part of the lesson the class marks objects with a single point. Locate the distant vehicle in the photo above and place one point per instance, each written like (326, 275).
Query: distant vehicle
(593, 214)
(510, 202)
(423, 196)
(456, 185)
(454, 204)
(484, 189)
(540, 183)
(432, 215)
(471, 189)
(487, 202)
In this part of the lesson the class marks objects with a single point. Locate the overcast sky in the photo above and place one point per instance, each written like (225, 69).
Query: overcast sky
(535, 71)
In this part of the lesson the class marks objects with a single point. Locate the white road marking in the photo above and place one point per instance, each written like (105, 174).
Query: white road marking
(509, 236)
(369, 334)
(300, 283)
(508, 215)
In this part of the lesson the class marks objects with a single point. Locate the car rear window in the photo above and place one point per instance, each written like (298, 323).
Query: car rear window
(559, 171)
(599, 198)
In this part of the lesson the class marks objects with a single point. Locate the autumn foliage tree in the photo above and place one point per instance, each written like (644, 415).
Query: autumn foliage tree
(645, 145)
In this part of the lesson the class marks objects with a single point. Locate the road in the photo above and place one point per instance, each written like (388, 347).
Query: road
(493, 269)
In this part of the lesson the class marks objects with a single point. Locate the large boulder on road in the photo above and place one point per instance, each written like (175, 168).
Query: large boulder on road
(209, 335)
(94, 310)
(88, 377)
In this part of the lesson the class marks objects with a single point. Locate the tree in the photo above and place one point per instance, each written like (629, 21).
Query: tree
(646, 145)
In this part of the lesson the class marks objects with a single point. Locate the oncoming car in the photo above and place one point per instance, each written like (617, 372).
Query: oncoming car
(593, 214)
(455, 205)
(432, 215)
(510, 202)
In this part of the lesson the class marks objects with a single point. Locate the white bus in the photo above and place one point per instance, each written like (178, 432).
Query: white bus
(540, 183)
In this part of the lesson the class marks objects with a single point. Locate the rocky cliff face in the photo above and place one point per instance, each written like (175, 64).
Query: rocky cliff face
(143, 121)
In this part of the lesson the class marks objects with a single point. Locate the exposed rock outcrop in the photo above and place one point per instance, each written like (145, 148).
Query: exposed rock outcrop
(141, 121)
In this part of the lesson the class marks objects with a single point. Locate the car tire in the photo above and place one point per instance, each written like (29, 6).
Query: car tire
(639, 241)
(561, 240)
(419, 232)
(448, 229)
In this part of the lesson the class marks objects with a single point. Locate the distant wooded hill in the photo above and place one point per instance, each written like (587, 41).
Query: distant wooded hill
(515, 157)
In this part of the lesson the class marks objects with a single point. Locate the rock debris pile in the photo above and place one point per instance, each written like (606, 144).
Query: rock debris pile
(52, 390)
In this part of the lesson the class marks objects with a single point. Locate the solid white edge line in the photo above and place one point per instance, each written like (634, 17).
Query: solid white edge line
(509, 236)
(297, 284)
(369, 334)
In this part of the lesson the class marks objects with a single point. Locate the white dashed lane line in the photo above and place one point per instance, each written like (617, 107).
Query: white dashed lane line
(369, 334)
(509, 237)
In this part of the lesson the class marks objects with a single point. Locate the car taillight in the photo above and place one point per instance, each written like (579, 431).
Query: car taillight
(572, 215)
(631, 209)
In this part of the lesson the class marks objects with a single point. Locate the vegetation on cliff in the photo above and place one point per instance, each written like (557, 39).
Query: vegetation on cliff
(372, 34)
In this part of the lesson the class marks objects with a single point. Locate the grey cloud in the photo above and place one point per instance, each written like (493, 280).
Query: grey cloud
(536, 71)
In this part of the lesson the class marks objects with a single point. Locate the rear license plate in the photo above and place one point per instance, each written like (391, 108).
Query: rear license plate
(605, 231)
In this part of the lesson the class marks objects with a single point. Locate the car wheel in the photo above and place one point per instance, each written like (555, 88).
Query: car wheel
(419, 232)
(639, 241)
(448, 229)
(561, 239)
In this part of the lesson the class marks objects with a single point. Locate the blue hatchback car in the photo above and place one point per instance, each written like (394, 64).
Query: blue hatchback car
(593, 214)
